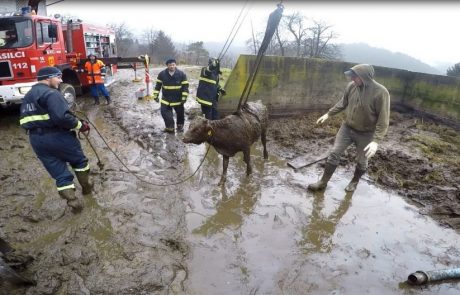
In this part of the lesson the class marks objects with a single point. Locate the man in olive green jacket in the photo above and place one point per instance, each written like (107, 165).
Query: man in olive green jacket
(367, 107)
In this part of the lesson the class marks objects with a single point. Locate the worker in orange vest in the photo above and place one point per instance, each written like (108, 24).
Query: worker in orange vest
(95, 69)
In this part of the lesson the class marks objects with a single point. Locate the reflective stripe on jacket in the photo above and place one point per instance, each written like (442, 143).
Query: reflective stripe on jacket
(174, 88)
(208, 87)
(93, 72)
(45, 107)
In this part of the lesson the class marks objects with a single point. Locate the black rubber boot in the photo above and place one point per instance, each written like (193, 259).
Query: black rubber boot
(180, 128)
(108, 99)
(96, 100)
(83, 179)
(322, 183)
(72, 201)
(351, 187)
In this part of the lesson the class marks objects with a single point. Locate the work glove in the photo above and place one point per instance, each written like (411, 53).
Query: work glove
(155, 98)
(84, 126)
(222, 92)
(322, 118)
(370, 149)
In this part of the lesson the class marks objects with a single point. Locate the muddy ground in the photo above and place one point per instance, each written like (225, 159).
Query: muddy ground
(145, 237)
(419, 158)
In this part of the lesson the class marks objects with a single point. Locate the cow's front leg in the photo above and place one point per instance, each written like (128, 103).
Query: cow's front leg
(224, 172)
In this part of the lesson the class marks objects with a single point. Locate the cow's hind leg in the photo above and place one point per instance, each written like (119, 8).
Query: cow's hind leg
(263, 137)
(247, 160)
(224, 172)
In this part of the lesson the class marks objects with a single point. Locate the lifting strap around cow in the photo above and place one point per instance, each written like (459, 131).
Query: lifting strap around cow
(272, 25)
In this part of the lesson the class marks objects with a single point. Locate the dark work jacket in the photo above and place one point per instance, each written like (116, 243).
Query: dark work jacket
(208, 87)
(174, 88)
(45, 107)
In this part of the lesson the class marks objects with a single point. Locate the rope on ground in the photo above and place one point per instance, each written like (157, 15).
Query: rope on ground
(124, 165)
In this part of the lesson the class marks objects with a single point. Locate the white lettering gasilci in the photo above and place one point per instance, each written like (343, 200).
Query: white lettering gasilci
(12, 55)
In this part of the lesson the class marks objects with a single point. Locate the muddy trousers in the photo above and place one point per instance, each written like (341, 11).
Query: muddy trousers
(168, 116)
(55, 149)
(344, 138)
(210, 111)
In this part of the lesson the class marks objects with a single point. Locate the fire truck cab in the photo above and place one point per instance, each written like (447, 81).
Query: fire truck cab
(29, 42)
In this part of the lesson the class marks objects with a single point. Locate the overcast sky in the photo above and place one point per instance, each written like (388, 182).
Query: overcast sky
(427, 31)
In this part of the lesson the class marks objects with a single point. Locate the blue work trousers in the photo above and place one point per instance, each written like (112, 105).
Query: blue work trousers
(96, 88)
(55, 150)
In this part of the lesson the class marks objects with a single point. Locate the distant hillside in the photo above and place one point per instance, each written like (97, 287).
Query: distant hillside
(363, 53)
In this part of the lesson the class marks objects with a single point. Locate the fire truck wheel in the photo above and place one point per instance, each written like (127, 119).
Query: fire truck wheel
(68, 92)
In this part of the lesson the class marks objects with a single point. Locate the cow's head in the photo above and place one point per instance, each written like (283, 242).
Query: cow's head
(198, 132)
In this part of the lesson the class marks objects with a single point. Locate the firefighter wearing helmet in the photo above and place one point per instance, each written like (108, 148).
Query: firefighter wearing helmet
(209, 90)
(45, 114)
(95, 70)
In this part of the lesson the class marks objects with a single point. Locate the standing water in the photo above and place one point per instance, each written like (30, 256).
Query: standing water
(266, 234)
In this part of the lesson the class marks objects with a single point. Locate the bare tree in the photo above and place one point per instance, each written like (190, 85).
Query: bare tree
(149, 36)
(319, 44)
(281, 42)
(295, 23)
(124, 38)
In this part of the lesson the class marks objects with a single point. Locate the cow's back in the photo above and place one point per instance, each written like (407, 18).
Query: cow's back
(236, 132)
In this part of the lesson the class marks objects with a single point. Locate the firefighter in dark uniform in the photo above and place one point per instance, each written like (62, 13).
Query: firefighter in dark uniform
(44, 113)
(209, 90)
(174, 87)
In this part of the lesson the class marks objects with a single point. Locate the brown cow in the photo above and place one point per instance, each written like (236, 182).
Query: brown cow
(232, 134)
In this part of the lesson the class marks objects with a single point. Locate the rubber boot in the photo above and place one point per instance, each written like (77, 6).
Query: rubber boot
(180, 128)
(72, 201)
(96, 100)
(168, 130)
(83, 179)
(322, 183)
(108, 99)
(354, 181)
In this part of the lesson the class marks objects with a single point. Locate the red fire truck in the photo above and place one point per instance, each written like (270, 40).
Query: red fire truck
(29, 42)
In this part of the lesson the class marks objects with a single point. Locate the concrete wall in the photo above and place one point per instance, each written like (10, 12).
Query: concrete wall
(289, 85)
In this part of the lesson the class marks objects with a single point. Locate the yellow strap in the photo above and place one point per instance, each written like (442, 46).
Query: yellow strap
(34, 118)
(184, 82)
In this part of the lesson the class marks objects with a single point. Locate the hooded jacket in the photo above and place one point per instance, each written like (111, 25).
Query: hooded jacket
(367, 106)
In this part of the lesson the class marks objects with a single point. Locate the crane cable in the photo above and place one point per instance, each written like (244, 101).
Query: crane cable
(272, 25)
(228, 42)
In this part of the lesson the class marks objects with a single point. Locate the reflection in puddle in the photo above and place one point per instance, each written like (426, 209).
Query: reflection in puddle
(267, 234)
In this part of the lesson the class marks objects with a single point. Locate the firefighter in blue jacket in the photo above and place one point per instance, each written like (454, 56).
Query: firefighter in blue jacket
(44, 113)
(209, 90)
(174, 87)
